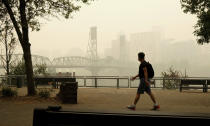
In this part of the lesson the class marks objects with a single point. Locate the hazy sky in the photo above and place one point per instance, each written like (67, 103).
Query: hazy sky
(112, 17)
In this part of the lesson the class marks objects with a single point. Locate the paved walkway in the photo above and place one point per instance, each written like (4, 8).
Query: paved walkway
(19, 111)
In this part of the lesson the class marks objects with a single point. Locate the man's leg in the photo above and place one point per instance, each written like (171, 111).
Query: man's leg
(139, 91)
(156, 106)
(137, 98)
(133, 106)
(152, 97)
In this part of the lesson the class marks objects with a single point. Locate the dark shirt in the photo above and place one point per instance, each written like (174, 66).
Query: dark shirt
(141, 71)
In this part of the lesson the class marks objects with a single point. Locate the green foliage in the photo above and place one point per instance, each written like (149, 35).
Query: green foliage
(8, 92)
(25, 15)
(173, 75)
(18, 69)
(40, 69)
(37, 9)
(201, 8)
(8, 41)
(44, 93)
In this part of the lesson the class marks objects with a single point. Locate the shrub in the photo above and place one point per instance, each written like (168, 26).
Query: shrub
(8, 92)
(41, 69)
(44, 93)
(18, 69)
(174, 75)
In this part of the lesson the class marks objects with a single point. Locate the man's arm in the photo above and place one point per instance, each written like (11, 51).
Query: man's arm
(133, 78)
(146, 75)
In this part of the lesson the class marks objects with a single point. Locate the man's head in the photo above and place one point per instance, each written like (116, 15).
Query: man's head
(141, 56)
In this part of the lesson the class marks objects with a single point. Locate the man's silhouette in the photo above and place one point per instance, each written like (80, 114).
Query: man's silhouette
(145, 74)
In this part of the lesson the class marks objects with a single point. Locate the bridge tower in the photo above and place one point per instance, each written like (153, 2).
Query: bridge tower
(92, 49)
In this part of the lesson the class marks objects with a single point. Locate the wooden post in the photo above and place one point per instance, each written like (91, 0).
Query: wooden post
(163, 83)
(180, 87)
(84, 82)
(154, 84)
(118, 83)
(9, 81)
(74, 74)
(206, 87)
(54, 84)
(96, 85)
(129, 82)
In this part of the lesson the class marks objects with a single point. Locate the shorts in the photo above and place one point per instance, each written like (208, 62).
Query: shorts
(143, 87)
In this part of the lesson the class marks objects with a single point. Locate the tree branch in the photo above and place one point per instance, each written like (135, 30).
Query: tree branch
(14, 21)
(24, 22)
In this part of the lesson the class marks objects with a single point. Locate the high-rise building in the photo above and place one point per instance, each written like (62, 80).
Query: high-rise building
(92, 44)
(123, 49)
(147, 42)
(119, 49)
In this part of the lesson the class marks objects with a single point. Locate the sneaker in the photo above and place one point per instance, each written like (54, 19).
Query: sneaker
(131, 107)
(156, 107)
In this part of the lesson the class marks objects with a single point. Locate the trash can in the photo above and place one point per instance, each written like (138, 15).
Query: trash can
(19, 82)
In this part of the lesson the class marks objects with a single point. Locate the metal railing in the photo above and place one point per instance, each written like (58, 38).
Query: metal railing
(100, 81)
(95, 81)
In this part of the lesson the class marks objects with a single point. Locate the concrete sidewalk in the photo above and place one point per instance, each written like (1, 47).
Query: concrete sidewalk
(19, 111)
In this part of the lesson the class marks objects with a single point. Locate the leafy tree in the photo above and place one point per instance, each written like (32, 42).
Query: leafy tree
(8, 41)
(41, 69)
(18, 69)
(25, 15)
(201, 8)
(173, 75)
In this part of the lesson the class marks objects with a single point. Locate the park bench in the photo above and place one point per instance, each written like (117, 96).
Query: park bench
(193, 84)
(208, 85)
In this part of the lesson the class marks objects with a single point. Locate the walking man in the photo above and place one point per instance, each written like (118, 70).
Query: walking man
(146, 73)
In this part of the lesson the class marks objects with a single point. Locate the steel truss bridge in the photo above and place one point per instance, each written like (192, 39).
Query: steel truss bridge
(67, 62)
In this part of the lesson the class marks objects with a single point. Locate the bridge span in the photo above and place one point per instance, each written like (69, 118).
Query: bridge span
(69, 62)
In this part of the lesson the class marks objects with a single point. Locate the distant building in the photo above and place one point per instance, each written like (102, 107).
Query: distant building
(147, 42)
(124, 53)
(108, 52)
(115, 49)
(119, 49)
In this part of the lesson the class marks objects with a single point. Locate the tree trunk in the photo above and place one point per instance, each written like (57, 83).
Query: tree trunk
(6, 50)
(24, 40)
(27, 49)
(29, 69)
